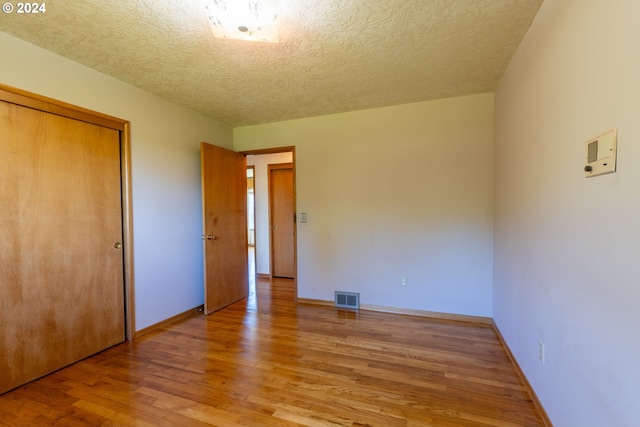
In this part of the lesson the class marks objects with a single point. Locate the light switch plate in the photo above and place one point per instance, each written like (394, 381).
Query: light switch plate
(600, 155)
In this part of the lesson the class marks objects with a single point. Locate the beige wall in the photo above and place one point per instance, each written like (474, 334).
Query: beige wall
(391, 192)
(165, 150)
(566, 257)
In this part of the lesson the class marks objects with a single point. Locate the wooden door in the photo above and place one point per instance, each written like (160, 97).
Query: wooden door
(224, 216)
(61, 257)
(282, 211)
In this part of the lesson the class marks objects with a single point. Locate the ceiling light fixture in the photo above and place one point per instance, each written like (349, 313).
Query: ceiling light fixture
(253, 20)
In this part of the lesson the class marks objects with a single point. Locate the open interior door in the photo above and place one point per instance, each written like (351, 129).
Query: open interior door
(224, 225)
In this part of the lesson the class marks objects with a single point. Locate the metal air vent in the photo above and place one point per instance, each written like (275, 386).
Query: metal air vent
(347, 299)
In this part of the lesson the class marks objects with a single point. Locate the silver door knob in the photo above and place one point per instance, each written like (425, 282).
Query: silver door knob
(208, 237)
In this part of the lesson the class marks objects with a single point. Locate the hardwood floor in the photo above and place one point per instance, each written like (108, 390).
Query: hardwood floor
(266, 361)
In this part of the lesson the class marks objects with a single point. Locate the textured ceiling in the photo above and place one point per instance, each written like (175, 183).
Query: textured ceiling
(333, 56)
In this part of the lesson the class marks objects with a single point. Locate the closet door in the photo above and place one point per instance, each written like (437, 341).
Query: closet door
(281, 215)
(61, 232)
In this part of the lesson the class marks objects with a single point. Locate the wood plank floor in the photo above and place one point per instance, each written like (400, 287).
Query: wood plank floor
(266, 361)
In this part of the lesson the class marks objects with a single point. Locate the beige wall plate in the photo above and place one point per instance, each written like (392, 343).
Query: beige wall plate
(601, 154)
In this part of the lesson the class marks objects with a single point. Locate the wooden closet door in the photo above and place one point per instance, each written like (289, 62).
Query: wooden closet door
(282, 211)
(61, 260)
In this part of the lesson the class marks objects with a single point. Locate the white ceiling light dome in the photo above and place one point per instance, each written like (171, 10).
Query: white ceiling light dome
(253, 20)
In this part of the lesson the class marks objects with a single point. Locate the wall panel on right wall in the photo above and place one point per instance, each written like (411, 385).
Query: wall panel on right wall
(566, 258)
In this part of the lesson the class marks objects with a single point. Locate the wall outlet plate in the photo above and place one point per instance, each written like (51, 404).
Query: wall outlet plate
(601, 154)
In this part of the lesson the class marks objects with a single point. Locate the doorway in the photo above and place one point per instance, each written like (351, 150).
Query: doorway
(251, 224)
(260, 161)
(251, 210)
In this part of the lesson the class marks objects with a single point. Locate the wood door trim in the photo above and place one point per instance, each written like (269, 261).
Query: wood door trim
(277, 166)
(127, 232)
(274, 150)
(42, 103)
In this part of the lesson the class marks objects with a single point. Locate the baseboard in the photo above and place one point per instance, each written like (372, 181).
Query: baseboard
(315, 302)
(429, 314)
(263, 276)
(181, 316)
(534, 397)
(407, 311)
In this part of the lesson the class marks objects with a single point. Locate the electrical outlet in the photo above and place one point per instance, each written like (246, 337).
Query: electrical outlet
(403, 281)
(541, 351)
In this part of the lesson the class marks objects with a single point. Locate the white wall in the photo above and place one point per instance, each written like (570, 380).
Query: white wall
(165, 149)
(566, 247)
(390, 192)
(261, 163)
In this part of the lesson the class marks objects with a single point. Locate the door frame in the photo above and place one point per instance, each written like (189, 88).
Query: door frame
(27, 99)
(287, 149)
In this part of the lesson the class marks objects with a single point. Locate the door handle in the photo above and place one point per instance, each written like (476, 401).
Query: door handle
(208, 237)
(275, 227)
